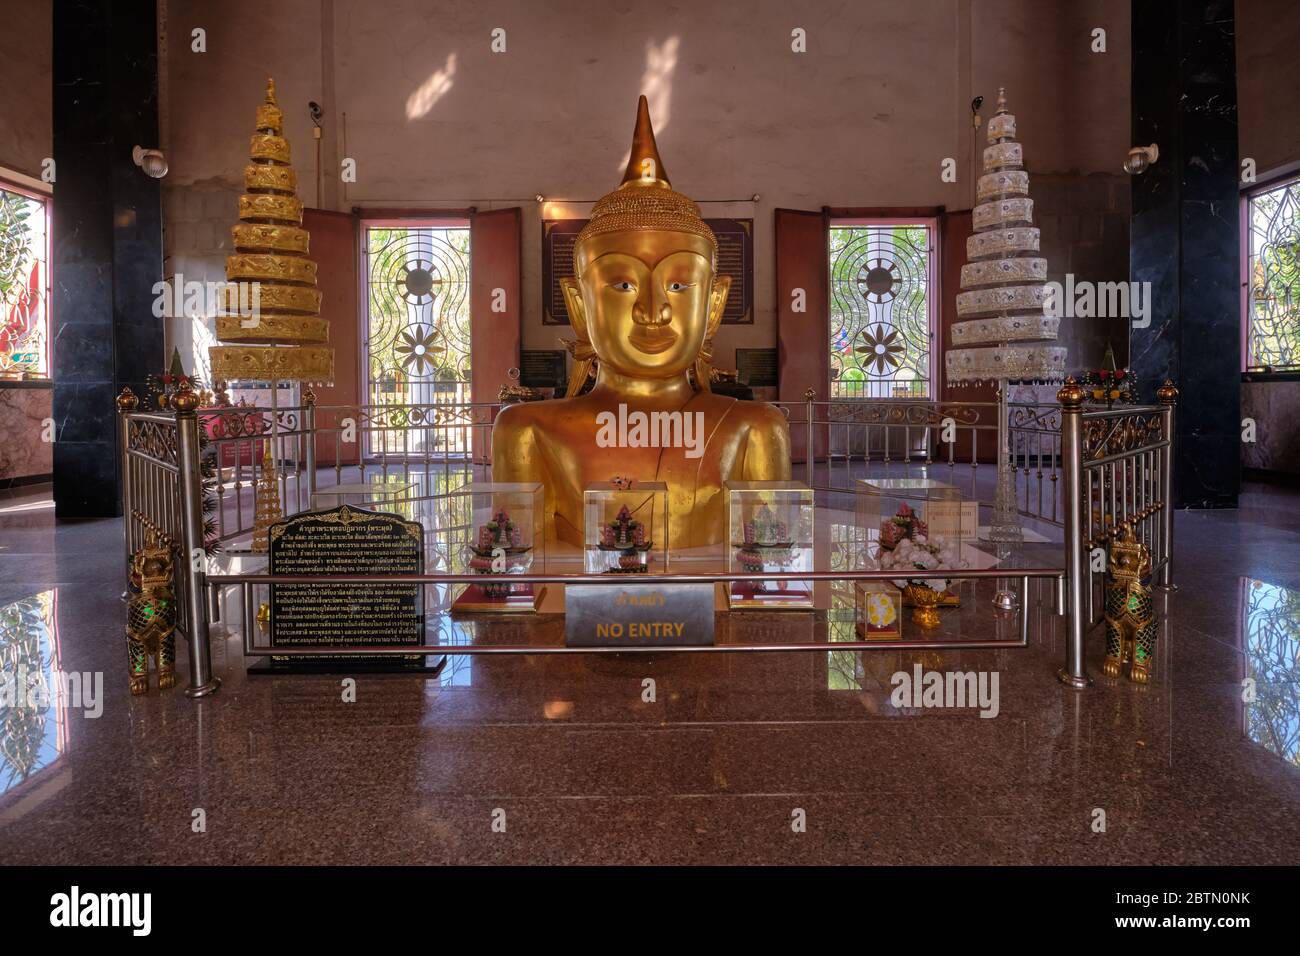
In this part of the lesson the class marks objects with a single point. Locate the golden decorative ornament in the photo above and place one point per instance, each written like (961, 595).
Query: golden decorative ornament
(241, 363)
(267, 509)
(258, 237)
(269, 115)
(282, 178)
(185, 401)
(1167, 394)
(645, 303)
(263, 266)
(273, 298)
(287, 209)
(1071, 394)
(277, 334)
(926, 604)
(127, 401)
(272, 149)
(307, 329)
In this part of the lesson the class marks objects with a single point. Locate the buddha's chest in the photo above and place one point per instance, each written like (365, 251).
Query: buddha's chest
(691, 460)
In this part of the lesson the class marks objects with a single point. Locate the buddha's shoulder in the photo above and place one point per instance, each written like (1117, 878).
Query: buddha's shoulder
(526, 415)
(746, 413)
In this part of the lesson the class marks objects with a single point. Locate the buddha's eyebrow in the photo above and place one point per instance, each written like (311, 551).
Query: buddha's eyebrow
(649, 265)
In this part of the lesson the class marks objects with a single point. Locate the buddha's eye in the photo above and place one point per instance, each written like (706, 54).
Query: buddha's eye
(678, 286)
(624, 286)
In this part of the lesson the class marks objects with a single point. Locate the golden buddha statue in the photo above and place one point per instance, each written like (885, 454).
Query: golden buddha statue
(645, 305)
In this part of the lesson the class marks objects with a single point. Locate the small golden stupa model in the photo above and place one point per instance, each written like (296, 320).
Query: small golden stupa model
(266, 505)
(276, 334)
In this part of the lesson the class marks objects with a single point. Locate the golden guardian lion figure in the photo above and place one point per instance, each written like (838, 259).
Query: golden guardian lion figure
(151, 616)
(1130, 617)
(645, 305)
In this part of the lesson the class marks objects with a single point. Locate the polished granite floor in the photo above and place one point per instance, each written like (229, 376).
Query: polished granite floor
(581, 769)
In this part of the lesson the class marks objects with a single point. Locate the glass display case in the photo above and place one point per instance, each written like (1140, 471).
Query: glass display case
(878, 610)
(626, 527)
(499, 528)
(908, 524)
(770, 527)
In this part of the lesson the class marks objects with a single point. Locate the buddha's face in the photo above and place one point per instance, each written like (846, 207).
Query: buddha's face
(649, 299)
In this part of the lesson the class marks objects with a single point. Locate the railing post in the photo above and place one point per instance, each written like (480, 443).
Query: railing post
(808, 396)
(309, 423)
(190, 481)
(126, 404)
(1074, 673)
(1168, 397)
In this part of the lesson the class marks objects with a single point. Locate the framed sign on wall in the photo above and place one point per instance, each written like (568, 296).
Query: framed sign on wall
(735, 259)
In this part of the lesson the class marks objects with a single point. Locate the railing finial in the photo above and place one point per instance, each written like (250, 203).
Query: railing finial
(1071, 394)
(185, 401)
(1167, 393)
(126, 400)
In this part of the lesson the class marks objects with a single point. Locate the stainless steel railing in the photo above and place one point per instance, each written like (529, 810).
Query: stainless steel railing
(853, 439)
(1118, 469)
(162, 491)
(1114, 466)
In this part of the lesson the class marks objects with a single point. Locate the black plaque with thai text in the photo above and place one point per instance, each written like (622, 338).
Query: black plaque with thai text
(346, 540)
(757, 368)
(543, 368)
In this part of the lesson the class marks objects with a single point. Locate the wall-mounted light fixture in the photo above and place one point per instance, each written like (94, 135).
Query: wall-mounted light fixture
(152, 161)
(1140, 157)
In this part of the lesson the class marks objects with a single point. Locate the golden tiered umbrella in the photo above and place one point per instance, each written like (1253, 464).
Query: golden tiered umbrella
(276, 335)
(284, 340)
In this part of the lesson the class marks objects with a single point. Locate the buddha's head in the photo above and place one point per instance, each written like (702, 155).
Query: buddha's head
(646, 299)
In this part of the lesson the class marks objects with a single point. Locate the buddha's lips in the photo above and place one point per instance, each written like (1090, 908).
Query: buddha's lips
(652, 339)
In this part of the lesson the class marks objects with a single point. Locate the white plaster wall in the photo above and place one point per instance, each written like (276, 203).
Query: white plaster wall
(26, 90)
(1268, 75)
(414, 93)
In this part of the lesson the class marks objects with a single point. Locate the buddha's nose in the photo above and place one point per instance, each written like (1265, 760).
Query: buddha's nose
(641, 317)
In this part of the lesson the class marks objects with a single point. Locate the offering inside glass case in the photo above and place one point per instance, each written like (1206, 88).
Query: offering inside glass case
(879, 606)
(912, 524)
(771, 530)
(626, 524)
(505, 536)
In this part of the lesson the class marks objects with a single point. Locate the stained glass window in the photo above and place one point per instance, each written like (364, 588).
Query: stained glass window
(1273, 282)
(882, 303)
(417, 330)
(24, 287)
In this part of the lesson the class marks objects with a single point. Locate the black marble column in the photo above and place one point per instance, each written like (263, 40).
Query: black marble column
(107, 239)
(1184, 236)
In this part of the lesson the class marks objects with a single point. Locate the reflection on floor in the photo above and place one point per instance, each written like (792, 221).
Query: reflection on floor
(1200, 766)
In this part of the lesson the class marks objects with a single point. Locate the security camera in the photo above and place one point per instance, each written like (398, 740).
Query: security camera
(152, 161)
(313, 108)
(1141, 157)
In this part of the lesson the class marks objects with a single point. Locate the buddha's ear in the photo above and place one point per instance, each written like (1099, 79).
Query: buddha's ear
(577, 311)
(717, 303)
(584, 357)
